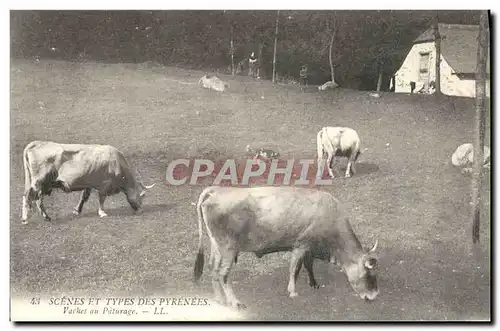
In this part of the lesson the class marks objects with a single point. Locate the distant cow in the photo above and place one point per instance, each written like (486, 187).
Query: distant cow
(338, 141)
(328, 85)
(463, 157)
(77, 167)
(213, 82)
(263, 220)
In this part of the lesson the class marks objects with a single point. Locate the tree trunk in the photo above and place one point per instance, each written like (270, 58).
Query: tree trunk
(437, 41)
(231, 42)
(482, 58)
(275, 45)
(379, 81)
(233, 69)
(259, 61)
(332, 39)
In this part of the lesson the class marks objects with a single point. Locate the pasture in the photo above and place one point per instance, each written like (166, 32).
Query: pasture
(405, 192)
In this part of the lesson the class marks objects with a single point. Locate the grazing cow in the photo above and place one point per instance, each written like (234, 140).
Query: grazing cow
(77, 167)
(338, 141)
(463, 157)
(263, 220)
(213, 82)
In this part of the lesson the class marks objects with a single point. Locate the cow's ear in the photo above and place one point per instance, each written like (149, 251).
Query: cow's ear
(143, 193)
(370, 263)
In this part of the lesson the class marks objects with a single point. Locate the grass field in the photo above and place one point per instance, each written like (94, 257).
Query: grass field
(405, 193)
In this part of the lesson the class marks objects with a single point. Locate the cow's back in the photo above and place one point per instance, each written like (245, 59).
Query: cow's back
(264, 218)
(78, 165)
(344, 136)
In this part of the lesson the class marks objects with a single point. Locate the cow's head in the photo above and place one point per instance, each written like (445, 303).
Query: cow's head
(362, 274)
(136, 194)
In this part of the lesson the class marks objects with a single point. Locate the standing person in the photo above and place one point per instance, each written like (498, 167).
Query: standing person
(413, 85)
(252, 65)
(303, 75)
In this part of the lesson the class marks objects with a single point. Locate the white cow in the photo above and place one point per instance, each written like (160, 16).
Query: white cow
(338, 141)
(328, 85)
(463, 157)
(213, 83)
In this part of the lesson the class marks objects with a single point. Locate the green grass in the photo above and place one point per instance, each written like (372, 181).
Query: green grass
(405, 194)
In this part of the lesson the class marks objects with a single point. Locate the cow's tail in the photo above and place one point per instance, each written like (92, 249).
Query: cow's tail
(200, 257)
(319, 141)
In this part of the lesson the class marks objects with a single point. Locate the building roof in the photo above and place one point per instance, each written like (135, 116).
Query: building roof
(458, 45)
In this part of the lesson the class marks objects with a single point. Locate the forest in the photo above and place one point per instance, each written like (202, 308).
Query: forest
(357, 45)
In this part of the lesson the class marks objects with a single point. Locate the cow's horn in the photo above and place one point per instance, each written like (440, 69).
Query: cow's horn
(148, 187)
(374, 247)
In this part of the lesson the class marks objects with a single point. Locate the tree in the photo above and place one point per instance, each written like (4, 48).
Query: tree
(231, 42)
(437, 42)
(482, 59)
(332, 39)
(275, 45)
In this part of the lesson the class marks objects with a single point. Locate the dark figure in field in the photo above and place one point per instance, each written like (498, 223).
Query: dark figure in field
(252, 64)
(412, 86)
(303, 75)
(432, 87)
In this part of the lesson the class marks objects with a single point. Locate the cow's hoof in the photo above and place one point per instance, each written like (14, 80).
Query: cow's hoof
(347, 176)
(314, 285)
(47, 219)
(102, 214)
(24, 222)
(76, 212)
(293, 294)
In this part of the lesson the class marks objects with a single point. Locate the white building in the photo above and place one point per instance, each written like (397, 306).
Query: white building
(459, 46)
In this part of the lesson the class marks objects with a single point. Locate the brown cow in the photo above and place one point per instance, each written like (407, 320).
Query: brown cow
(263, 220)
(77, 167)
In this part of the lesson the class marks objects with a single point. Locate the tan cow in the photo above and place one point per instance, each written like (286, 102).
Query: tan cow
(78, 167)
(310, 223)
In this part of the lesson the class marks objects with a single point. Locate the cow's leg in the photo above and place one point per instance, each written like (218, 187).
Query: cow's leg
(308, 264)
(349, 169)
(350, 165)
(215, 262)
(41, 208)
(83, 198)
(295, 266)
(227, 262)
(102, 198)
(330, 162)
(321, 167)
(26, 208)
(353, 170)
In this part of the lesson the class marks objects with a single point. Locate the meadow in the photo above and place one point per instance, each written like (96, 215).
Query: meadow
(406, 194)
